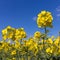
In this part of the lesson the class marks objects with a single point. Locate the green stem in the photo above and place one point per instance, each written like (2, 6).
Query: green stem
(45, 31)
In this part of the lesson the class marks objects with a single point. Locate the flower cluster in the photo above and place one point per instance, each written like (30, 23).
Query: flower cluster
(38, 47)
(30, 49)
(44, 19)
(12, 33)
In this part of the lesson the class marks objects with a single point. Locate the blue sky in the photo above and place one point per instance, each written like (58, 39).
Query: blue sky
(23, 13)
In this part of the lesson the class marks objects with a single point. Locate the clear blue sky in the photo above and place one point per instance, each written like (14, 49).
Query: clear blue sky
(23, 13)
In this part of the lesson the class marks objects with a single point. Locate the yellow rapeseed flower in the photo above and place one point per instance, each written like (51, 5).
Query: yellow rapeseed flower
(4, 31)
(44, 19)
(10, 35)
(8, 27)
(49, 41)
(37, 34)
(23, 34)
(4, 37)
(13, 52)
(49, 50)
(17, 44)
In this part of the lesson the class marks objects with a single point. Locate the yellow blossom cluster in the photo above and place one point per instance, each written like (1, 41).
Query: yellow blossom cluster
(12, 33)
(31, 47)
(44, 19)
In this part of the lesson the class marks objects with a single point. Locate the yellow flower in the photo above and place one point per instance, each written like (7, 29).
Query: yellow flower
(49, 50)
(58, 50)
(17, 32)
(4, 37)
(8, 27)
(4, 31)
(52, 37)
(6, 49)
(50, 41)
(13, 58)
(37, 34)
(13, 52)
(57, 40)
(40, 47)
(10, 35)
(43, 12)
(29, 42)
(17, 44)
(23, 34)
